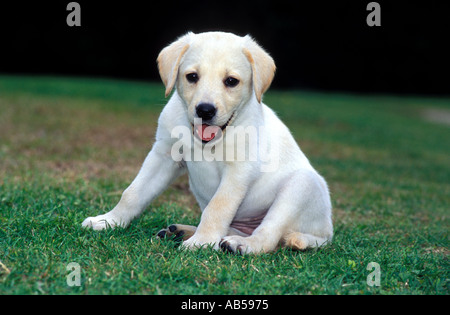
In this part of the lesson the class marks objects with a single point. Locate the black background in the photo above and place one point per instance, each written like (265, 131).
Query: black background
(321, 45)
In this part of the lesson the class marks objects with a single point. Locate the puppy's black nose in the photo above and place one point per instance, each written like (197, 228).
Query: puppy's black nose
(206, 111)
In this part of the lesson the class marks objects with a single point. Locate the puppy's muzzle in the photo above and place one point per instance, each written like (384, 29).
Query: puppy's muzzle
(205, 130)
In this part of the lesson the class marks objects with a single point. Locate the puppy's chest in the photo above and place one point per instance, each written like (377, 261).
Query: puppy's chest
(204, 178)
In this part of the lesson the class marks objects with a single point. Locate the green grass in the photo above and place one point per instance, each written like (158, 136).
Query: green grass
(68, 147)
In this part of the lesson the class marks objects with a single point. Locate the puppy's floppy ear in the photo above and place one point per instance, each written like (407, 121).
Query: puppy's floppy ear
(169, 60)
(263, 66)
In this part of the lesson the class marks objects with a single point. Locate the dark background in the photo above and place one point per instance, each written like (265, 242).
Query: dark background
(322, 45)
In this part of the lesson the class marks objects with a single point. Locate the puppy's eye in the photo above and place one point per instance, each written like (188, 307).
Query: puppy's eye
(231, 82)
(192, 77)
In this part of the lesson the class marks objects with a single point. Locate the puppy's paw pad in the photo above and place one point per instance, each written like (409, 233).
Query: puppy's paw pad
(172, 228)
(162, 233)
(174, 231)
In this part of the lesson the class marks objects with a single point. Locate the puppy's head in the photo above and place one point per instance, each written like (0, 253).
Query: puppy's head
(215, 74)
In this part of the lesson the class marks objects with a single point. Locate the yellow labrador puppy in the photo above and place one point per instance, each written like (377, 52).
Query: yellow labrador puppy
(254, 185)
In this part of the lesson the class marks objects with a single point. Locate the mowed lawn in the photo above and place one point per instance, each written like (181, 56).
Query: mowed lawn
(69, 147)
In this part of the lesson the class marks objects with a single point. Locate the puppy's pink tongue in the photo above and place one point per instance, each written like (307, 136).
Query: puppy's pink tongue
(207, 132)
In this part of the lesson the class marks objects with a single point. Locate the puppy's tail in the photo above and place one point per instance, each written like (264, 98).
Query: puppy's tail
(301, 241)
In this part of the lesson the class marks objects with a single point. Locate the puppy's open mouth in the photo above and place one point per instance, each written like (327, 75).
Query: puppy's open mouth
(207, 132)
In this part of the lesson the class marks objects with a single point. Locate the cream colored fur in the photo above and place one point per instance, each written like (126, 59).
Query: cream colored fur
(293, 194)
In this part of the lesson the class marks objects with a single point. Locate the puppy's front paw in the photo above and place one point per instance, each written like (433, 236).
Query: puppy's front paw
(239, 245)
(103, 221)
(199, 242)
